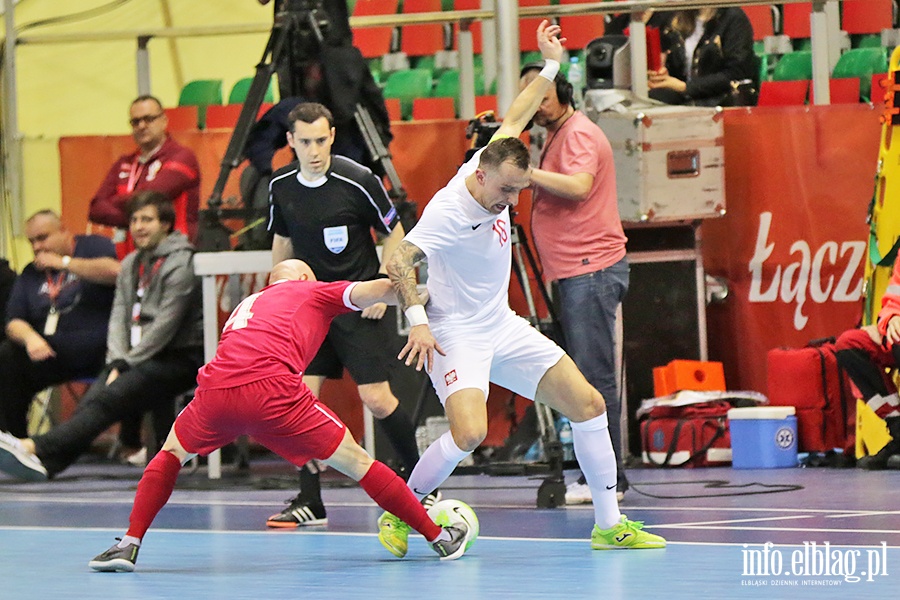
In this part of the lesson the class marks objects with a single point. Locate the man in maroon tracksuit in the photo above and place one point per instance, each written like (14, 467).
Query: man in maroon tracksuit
(159, 164)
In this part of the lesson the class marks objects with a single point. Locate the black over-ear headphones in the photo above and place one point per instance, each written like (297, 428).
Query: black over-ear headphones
(563, 87)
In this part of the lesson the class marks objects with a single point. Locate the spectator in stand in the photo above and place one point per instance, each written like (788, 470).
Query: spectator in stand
(709, 59)
(155, 344)
(159, 164)
(58, 314)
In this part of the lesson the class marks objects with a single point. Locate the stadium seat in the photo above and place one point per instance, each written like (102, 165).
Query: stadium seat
(783, 93)
(240, 89)
(796, 20)
(528, 27)
(182, 118)
(761, 19)
(406, 86)
(841, 91)
(226, 116)
(475, 27)
(422, 40)
(866, 40)
(862, 63)
(580, 29)
(201, 93)
(866, 16)
(433, 108)
(393, 109)
(794, 65)
(447, 85)
(878, 86)
(483, 103)
(374, 42)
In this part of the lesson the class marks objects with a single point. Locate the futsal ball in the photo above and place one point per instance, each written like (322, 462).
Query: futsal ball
(449, 512)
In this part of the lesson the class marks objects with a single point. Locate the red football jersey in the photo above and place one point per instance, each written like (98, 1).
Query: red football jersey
(276, 331)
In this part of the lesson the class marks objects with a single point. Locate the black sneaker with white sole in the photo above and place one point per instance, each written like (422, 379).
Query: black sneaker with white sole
(15, 460)
(432, 499)
(456, 547)
(116, 560)
(299, 513)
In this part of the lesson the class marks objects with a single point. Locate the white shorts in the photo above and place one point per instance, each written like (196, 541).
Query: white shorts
(508, 352)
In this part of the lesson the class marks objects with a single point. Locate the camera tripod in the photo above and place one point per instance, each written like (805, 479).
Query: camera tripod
(308, 23)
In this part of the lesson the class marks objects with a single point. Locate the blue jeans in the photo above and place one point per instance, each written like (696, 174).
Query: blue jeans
(587, 313)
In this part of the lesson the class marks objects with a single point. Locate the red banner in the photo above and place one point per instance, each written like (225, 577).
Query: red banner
(798, 185)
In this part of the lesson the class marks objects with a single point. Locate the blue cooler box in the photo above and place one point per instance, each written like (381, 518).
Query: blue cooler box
(763, 437)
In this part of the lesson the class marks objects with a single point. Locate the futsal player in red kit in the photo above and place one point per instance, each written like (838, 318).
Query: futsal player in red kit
(254, 386)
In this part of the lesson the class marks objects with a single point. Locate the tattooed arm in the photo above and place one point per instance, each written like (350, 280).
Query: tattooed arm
(420, 345)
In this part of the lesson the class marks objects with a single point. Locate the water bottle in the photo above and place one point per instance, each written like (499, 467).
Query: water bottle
(566, 439)
(576, 78)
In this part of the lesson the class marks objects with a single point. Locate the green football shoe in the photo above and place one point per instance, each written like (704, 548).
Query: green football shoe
(626, 535)
(393, 534)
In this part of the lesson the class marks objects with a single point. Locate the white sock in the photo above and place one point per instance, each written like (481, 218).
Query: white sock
(435, 465)
(594, 451)
(129, 539)
(443, 537)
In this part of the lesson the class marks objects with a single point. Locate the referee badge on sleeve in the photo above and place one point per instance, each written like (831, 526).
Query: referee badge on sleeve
(336, 238)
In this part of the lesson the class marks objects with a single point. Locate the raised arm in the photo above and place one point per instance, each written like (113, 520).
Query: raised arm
(529, 99)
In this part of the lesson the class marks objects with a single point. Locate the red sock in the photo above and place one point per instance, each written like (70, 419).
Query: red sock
(153, 492)
(391, 494)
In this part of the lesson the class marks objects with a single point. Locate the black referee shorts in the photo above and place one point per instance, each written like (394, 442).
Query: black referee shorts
(364, 346)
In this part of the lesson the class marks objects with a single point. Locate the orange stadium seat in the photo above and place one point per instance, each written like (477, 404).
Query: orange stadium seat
(183, 118)
(374, 41)
(483, 103)
(761, 19)
(226, 116)
(393, 108)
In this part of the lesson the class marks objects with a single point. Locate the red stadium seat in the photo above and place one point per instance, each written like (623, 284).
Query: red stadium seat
(483, 103)
(796, 20)
(528, 26)
(783, 93)
(761, 19)
(866, 16)
(475, 26)
(581, 29)
(226, 116)
(393, 108)
(433, 108)
(374, 41)
(843, 90)
(183, 118)
(421, 40)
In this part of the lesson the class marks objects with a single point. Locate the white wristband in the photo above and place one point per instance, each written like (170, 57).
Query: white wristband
(65, 261)
(415, 314)
(551, 68)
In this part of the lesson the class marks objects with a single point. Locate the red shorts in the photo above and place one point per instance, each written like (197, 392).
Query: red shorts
(280, 413)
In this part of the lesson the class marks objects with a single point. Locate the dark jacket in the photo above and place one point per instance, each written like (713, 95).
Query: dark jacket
(724, 54)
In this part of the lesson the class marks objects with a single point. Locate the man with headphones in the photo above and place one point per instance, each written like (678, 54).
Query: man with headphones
(579, 237)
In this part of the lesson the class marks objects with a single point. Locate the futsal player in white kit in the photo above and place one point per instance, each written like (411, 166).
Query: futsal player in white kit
(468, 336)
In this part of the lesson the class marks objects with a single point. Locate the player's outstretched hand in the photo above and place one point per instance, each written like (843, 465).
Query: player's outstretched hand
(420, 348)
(374, 312)
(549, 42)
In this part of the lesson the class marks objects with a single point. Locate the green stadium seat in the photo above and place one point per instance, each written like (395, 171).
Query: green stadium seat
(201, 93)
(239, 92)
(447, 85)
(406, 86)
(872, 40)
(862, 63)
(793, 66)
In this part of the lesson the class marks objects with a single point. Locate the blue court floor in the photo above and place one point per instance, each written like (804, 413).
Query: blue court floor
(789, 533)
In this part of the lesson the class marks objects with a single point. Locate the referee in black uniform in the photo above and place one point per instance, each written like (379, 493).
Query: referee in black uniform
(322, 210)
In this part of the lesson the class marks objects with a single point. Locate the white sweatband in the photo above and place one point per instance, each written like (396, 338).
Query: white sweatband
(551, 68)
(65, 261)
(415, 314)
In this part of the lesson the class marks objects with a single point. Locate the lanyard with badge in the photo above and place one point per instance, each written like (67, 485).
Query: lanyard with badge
(137, 169)
(144, 280)
(54, 288)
